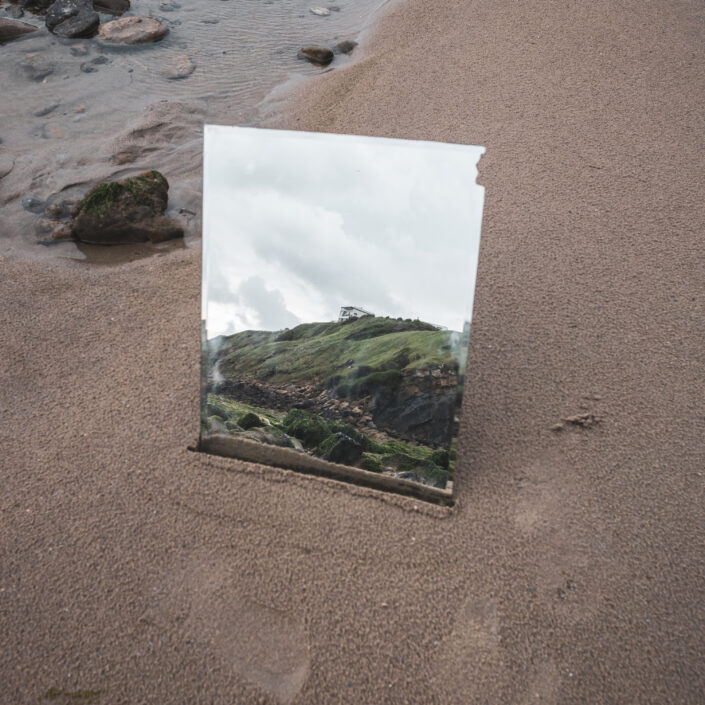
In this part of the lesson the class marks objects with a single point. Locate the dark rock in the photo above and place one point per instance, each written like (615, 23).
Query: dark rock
(36, 5)
(12, 29)
(344, 47)
(317, 55)
(111, 7)
(72, 18)
(130, 210)
(249, 420)
(33, 205)
(340, 448)
(133, 30)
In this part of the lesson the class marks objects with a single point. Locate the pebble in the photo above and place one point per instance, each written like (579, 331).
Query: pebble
(33, 205)
(320, 11)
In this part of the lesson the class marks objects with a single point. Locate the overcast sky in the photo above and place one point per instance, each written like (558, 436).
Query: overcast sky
(297, 225)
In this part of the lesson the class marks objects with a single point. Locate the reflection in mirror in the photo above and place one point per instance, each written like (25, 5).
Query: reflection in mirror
(338, 276)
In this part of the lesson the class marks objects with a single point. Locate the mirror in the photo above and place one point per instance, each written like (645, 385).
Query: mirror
(338, 278)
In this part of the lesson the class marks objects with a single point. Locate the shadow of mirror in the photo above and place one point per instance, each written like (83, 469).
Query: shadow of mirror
(338, 278)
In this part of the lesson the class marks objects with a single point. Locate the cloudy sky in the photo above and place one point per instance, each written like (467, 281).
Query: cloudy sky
(298, 224)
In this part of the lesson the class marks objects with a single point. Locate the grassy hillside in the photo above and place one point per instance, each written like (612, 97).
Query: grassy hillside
(339, 355)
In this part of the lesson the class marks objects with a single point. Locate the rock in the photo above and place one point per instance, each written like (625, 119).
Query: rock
(133, 30)
(33, 205)
(72, 18)
(12, 29)
(272, 437)
(56, 210)
(176, 67)
(130, 210)
(344, 47)
(340, 448)
(62, 232)
(14, 12)
(317, 55)
(36, 68)
(36, 5)
(111, 7)
(249, 420)
(320, 11)
(79, 50)
(46, 110)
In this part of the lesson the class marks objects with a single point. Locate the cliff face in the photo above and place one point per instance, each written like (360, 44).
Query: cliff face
(400, 377)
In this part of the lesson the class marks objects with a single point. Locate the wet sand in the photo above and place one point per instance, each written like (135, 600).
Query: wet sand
(570, 570)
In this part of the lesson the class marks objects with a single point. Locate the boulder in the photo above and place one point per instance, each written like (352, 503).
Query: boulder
(126, 211)
(12, 29)
(249, 420)
(317, 55)
(339, 448)
(344, 47)
(72, 18)
(133, 30)
(111, 7)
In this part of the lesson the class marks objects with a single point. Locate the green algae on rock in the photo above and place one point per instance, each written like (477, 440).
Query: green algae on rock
(126, 211)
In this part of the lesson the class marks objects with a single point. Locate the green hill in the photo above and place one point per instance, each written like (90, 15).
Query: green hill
(345, 356)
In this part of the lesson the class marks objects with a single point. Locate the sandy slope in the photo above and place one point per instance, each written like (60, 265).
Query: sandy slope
(571, 569)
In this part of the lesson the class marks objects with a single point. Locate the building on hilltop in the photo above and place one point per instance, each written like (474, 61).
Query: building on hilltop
(348, 312)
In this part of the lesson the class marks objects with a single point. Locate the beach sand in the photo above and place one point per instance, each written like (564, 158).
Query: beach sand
(571, 569)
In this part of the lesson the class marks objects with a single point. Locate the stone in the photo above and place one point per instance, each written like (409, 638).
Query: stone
(36, 68)
(340, 448)
(176, 67)
(72, 18)
(133, 30)
(126, 211)
(12, 29)
(249, 420)
(36, 5)
(111, 7)
(344, 47)
(320, 11)
(317, 55)
(33, 205)
(62, 232)
(14, 11)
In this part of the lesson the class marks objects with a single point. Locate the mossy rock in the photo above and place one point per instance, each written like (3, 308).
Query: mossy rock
(125, 211)
(339, 448)
(309, 428)
(250, 420)
(440, 458)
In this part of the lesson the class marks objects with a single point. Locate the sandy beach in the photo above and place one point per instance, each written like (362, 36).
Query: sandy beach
(570, 570)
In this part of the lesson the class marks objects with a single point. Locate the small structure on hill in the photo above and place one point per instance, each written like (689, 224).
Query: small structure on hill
(348, 312)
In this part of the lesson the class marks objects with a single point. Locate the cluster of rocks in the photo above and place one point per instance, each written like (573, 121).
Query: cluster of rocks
(75, 19)
(112, 213)
(322, 56)
(422, 408)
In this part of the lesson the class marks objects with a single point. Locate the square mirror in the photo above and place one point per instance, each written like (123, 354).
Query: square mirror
(338, 279)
